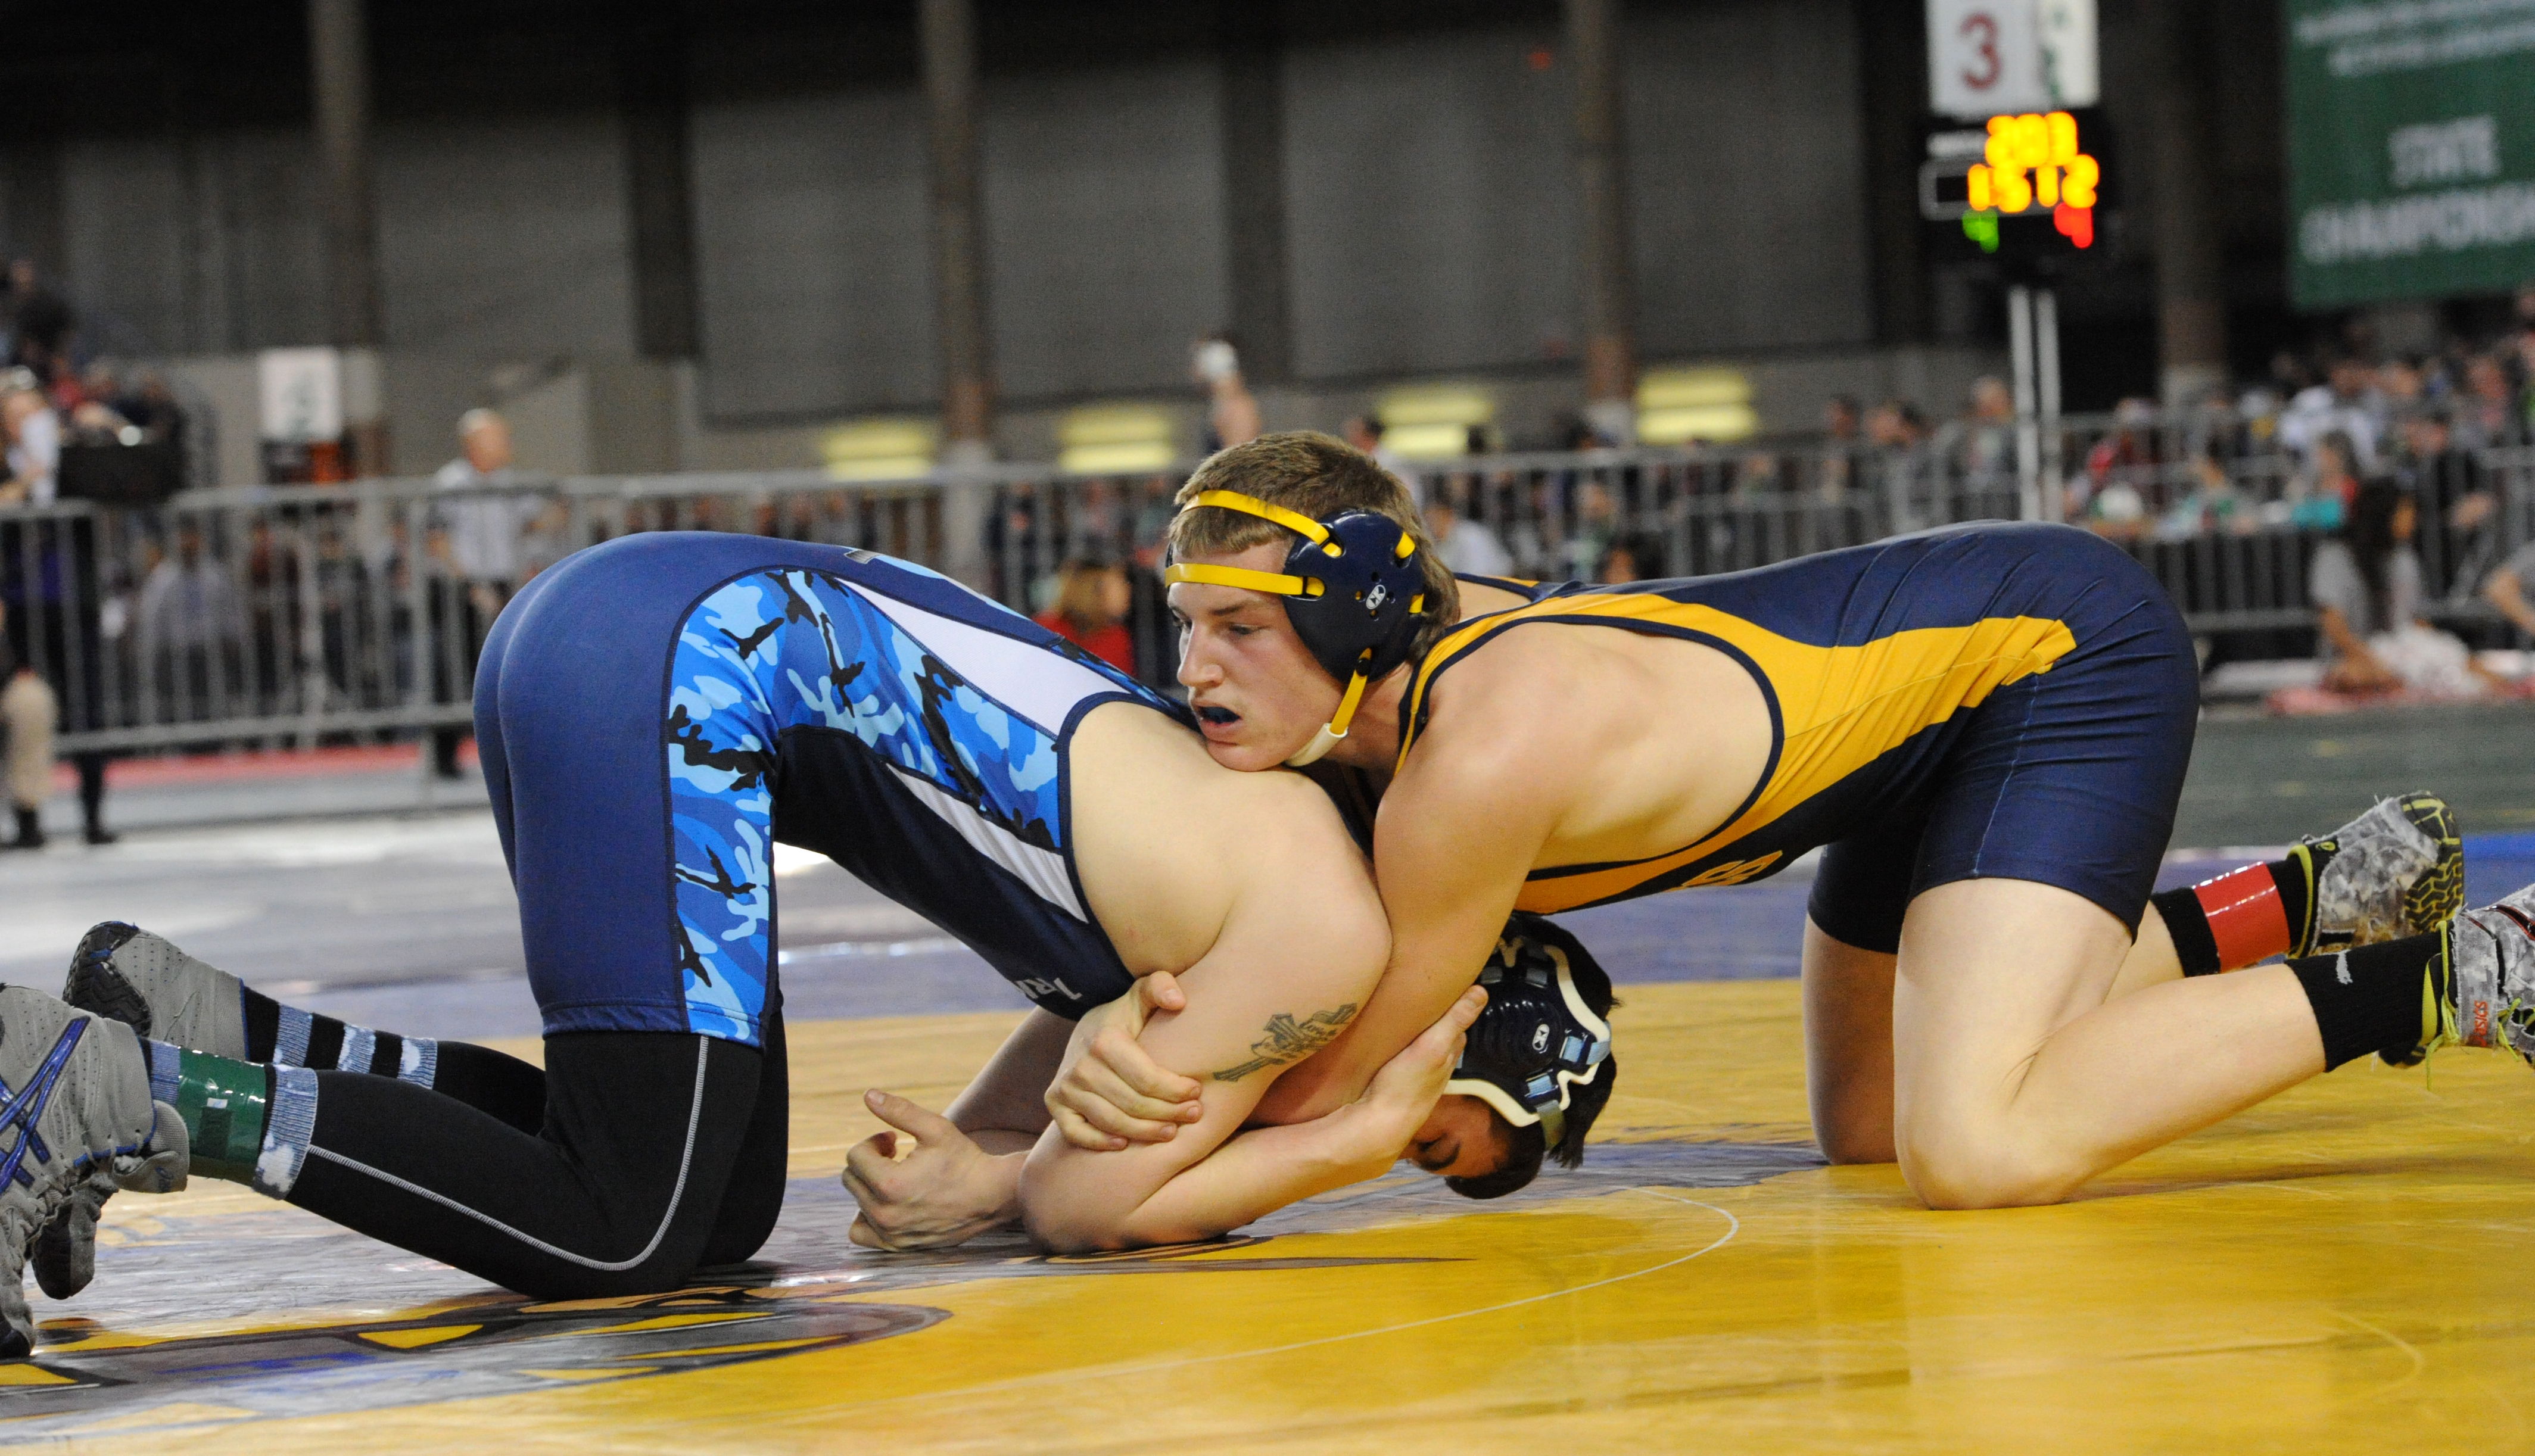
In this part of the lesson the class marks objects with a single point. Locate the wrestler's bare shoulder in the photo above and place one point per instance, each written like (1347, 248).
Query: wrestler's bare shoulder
(1633, 743)
(1170, 844)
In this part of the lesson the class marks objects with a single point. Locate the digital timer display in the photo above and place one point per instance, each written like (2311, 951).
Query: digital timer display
(2032, 160)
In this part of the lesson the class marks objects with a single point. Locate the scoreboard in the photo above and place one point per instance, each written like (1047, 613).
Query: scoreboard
(2026, 185)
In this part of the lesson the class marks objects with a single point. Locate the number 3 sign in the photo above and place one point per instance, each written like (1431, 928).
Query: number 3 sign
(1991, 57)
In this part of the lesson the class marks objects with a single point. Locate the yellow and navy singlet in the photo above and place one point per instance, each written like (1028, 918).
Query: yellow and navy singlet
(1993, 700)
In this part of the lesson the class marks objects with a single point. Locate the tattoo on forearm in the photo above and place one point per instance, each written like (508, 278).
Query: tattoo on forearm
(1289, 1040)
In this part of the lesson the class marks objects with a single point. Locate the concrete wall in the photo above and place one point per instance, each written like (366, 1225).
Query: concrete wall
(1430, 204)
(1745, 172)
(1428, 190)
(811, 250)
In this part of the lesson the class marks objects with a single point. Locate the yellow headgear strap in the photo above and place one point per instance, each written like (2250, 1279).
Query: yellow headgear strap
(1242, 576)
(1345, 714)
(1292, 521)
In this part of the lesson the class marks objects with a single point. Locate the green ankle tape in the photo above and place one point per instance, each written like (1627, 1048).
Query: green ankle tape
(223, 1104)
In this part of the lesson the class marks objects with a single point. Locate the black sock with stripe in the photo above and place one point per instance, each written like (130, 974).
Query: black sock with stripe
(2371, 999)
(487, 1080)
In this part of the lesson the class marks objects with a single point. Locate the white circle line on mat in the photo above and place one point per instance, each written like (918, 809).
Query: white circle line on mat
(1733, 1226)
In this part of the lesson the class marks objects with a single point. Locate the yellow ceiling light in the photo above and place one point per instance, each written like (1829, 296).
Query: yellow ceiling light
(879, 450)
(1676, 406)
(1433, 422)
(1116, 439)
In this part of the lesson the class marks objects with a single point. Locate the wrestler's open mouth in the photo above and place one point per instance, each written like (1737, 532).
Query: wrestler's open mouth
(1221, 716)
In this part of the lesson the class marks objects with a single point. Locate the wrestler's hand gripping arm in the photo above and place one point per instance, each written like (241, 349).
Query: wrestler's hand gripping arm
(1274, 989)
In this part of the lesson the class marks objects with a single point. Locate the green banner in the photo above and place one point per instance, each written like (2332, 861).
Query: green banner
(2411, 149)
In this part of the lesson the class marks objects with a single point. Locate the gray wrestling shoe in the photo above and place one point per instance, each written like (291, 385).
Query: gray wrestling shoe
(158, 991)
(76, 1123)
(2395, 871)
(2490, 980)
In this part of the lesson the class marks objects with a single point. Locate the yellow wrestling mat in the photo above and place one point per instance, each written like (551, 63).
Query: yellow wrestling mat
(2336, 1271)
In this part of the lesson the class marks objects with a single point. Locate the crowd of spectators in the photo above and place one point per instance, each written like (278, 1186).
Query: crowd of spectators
(2376, 469)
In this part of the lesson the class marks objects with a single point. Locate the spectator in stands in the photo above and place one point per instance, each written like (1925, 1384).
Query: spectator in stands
(1844, 445)
(1595, 525)
(1900, 433)
(151, 406)
(483, 526)
(2361, 583)
(2458, 506)
(40, 325)
(2487, 417)
(2324, 495)
(34, 435)
(2346, 403)
(2402, 383)
(192, 629)
(1232, 412)
(2367, 591)
(1843, 423)
(2111, 497)
(2209, 502)
(1466, 546)
(1638, 556)
(2508, 587)
(1982, 444)
(1091, 611)
(49, 580)
(28, 713)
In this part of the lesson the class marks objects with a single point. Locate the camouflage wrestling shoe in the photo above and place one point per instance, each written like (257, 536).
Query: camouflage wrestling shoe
(2395, 871)
(158, 991)
(2490, 998)
(76, 1123)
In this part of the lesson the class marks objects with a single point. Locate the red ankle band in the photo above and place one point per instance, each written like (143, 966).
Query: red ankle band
(2246, 916)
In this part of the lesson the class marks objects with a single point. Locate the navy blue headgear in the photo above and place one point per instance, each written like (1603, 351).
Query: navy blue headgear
(1536, 1038)
(1353, 588)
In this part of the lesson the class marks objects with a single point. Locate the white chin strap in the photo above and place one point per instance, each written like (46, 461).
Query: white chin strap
(1317, 749)
(1335, 731)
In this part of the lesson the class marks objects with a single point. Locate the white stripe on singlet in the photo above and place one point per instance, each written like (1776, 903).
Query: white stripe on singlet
(1030, 682)
(1042, 870)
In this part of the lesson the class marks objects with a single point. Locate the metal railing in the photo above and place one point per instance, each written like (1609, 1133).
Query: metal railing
(307, 613)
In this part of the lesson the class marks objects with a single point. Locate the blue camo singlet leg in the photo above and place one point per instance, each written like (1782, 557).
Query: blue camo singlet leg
(786, 648)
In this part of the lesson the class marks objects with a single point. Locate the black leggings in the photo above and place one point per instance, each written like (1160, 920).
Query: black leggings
(633, 1159)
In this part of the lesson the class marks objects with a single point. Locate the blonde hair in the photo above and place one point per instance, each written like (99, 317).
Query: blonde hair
(1315, 475)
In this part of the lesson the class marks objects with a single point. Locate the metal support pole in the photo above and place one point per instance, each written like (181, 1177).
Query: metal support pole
(339, 60)
(1253, 114)
(652, 85)
(2029, 441)
(2046, 360)
(950, 46)
(1601, 176)
(2190, 233)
